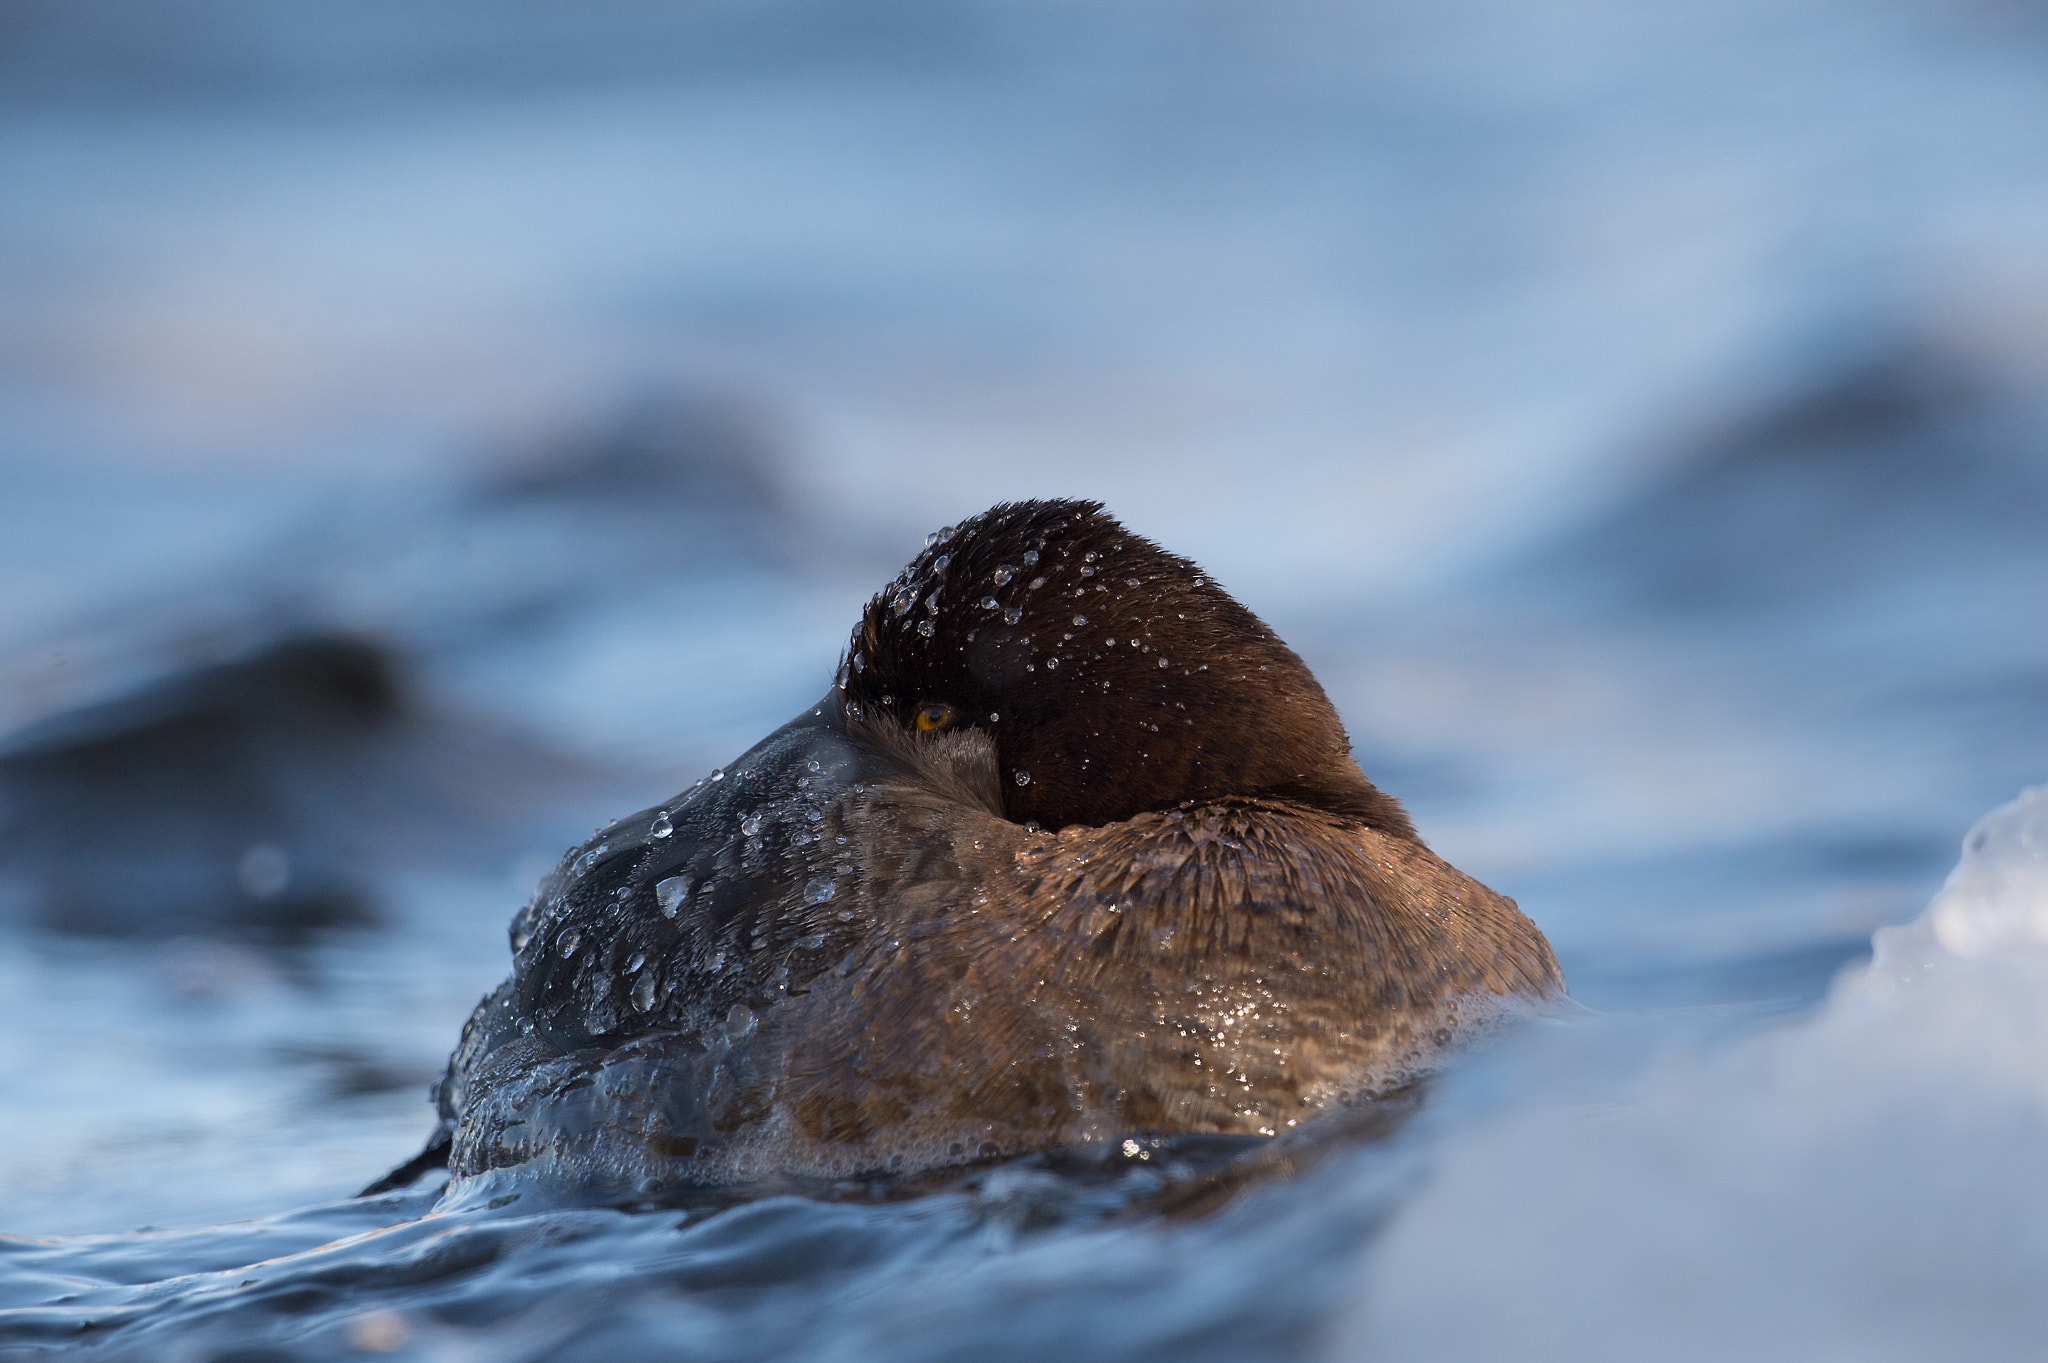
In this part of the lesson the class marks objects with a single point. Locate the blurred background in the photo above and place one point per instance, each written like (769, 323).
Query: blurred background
(430, 428)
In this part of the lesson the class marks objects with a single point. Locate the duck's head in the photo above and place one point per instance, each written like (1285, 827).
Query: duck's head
(1114, 678)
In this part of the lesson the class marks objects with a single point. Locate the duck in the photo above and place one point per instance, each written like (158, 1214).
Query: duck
(1075, 846)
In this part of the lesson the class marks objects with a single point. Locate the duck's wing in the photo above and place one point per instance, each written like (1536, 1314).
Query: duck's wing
(1251, 961)
(1254, 881)
(1236, 968)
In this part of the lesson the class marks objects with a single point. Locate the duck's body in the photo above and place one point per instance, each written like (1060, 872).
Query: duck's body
(855, 949)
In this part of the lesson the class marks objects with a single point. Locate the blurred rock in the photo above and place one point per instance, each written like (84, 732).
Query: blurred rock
(699, 451)
(256, 799)
(1902, 466)
(185, 807)
(674, 489)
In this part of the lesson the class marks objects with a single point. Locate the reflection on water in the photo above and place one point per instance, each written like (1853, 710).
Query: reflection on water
(432, 430)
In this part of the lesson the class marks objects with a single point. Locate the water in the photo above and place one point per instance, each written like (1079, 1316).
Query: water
(1635, 418)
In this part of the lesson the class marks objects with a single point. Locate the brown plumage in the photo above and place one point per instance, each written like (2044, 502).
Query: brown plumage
(1130, 880)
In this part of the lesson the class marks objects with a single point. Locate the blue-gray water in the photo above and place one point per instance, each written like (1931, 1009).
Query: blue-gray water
(1637, 418)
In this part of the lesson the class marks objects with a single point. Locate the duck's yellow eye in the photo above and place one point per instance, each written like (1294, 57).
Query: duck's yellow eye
(934, 715)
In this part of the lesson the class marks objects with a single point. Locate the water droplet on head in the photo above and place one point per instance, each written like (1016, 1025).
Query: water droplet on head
(820, 890)
(939, 563)
(926, 628)
(1023, 778)
(569, 941)
(1037, 582)
(1030, 556)
(671, 893)
(739, 1021)
(635, 961)
(989, 603)
(643, 993)
(1087, 571)
(1080, 619)
(1004, 572)
(718, 773)
(903, 600)
(662, 825)
(1051, 663)
(751, 825)
(1012, 615)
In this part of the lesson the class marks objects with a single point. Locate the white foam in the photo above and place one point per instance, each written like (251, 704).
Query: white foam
(1871, 1183)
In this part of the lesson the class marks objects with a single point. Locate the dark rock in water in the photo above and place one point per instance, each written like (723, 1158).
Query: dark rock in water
(195, 805)
(1904, 466)
(1075, 846)
(252, 799)
(255, 798)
